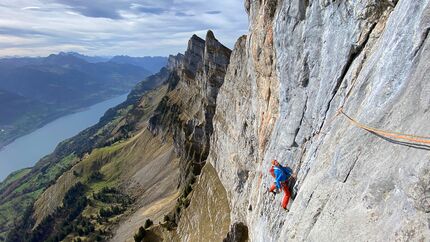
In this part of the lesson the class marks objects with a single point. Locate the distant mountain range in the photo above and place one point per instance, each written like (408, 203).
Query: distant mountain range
(33, 91)
(90, 59)
(153, 64)
(150, 63)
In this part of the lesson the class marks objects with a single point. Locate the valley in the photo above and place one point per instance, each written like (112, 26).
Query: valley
(42, 141)
(36, 91)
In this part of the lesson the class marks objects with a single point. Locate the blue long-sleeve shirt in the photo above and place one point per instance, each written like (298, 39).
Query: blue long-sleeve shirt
(281, 175)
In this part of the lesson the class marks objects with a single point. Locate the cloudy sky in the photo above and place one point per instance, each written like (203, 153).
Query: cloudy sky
(112, 27)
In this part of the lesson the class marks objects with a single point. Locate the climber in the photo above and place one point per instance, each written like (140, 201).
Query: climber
(282, 175)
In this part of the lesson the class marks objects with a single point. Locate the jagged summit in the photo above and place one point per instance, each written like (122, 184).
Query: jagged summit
(210, 35)
(174, 61)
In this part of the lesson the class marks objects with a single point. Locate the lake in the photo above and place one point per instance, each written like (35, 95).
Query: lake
(27, 150)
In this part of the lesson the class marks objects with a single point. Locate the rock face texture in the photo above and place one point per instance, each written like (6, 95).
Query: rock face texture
(301, 62)
(186, 112)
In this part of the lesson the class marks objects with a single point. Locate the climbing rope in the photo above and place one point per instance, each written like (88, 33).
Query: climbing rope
(391, 134)
(385, 133)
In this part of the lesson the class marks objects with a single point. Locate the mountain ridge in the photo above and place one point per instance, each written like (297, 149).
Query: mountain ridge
(126, 125)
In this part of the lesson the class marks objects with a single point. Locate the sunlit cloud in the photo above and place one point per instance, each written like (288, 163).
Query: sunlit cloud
(31, 8)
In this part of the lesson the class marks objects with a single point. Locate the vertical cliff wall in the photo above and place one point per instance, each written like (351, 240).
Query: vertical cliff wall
(300, 63)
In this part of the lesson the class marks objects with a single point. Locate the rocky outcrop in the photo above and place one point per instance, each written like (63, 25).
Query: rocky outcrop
(368, 58)
(238, 233)
(184, 117)
(186, 112)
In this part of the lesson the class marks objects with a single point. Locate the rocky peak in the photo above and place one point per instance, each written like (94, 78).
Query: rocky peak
(187, 111)
(215, 53)
(193, 56)
(174, 61)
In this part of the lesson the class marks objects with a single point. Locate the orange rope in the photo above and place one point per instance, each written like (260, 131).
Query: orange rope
(408, 137)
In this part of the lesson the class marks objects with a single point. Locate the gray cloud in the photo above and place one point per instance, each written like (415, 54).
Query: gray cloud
(152, 10)
(95, 8)
(183, 14)
(23, 32)
(213, 12)
(112, 8)
(110, 27)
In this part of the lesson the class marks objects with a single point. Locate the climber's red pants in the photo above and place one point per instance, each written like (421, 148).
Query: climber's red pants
(286, 193)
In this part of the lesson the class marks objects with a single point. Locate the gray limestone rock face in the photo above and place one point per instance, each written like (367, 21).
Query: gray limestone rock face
(301, 62)
(233, 143)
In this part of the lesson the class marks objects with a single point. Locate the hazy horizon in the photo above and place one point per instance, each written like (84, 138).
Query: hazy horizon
(70, 52)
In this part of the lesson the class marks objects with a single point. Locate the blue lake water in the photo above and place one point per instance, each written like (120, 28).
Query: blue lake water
(27, 150)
